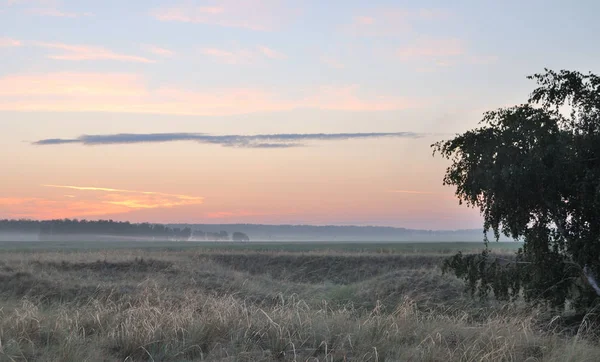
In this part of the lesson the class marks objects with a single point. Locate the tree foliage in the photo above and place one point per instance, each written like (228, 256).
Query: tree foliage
(240, 237)
(533, 170)
(48, 229)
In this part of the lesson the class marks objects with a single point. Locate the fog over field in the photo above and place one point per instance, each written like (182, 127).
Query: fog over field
(341, 233)
(101, 230)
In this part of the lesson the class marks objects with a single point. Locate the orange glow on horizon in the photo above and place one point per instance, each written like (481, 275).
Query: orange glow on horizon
(93, 201)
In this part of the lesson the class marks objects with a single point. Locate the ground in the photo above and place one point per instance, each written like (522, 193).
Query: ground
(262, 302)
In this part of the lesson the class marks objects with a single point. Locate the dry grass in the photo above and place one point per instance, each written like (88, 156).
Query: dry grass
(130, 305)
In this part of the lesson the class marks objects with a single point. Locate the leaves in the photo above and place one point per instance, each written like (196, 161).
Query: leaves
(534, 172)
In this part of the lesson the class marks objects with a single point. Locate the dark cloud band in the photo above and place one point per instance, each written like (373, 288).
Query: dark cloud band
(285, 140)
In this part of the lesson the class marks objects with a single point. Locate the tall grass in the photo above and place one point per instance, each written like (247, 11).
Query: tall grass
(186, 306)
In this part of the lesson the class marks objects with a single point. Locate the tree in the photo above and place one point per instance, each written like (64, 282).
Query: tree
(533, 170)
(240, 237)
(223, 235)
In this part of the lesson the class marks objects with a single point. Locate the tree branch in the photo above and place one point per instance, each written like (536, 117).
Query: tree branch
(586, 271)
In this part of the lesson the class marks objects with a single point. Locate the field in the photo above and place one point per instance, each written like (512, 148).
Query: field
(428, 247)
(263, 302)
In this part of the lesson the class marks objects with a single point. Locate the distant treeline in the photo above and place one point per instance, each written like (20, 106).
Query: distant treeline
(65, 227)
(99, 227)
(220, 236)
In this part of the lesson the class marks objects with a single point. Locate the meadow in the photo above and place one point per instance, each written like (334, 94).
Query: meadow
(264, 302)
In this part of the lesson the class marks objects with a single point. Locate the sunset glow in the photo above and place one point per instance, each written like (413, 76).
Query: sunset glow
(259, 111)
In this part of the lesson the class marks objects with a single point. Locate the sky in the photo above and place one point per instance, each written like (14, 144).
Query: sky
(262, 111)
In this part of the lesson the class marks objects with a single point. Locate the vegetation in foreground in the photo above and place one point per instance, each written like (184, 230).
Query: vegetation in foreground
(217, 305)
(533, 170)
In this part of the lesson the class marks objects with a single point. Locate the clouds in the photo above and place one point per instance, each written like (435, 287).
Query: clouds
(256, 15)
(92, 201)
(68, 85)
(434, 53)
(44, 208)
(239, 141)
(406, 31)
(86, 52)
(271, 53)
(136, 199)
(75, 52)
(160, 51)
(6, 42)
(129, 93)
(394, 22)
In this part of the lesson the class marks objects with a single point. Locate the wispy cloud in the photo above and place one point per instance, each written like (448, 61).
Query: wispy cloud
(163, 52)
(332, 62)
(258, 15)
(9, 42)
(66, 85)
(431, 54)
(242, 56)
(189, 14)
(104, 189)
(239, 141)
(392, 21)
(136, 199)
(86, 52)
(42, 208)
(92, 201)
(128, 93)
(271, 53)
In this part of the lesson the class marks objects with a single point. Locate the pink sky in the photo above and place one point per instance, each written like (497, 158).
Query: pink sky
(101, 83)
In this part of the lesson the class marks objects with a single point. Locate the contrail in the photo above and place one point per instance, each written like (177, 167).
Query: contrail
(104, 189)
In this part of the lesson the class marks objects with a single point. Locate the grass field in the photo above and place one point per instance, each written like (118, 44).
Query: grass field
(405, 247)
(262, 302)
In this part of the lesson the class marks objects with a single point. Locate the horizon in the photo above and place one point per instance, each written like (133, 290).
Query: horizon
(245, 224)
(238, 112)
(104, 230)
